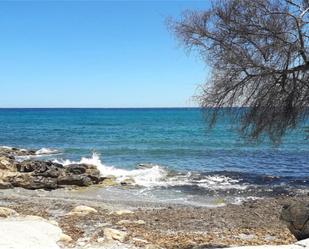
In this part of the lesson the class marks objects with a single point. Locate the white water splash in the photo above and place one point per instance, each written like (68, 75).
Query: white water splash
(144, 177)
(6, 147)
(43, 152)
(156, 176)
(46, 151)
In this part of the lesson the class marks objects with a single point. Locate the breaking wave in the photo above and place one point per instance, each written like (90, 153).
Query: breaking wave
(158, 176)
(46, 151)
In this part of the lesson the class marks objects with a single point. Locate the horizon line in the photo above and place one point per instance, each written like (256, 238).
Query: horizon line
(155, 107)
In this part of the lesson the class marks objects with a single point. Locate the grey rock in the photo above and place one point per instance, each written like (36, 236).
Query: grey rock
(77, 180)
(296, 217)
(39, 174)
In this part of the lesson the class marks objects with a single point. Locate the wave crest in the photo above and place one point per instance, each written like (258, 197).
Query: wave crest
(158, 176)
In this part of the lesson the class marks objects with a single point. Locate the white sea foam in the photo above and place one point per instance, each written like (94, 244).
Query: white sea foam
(6, 147)
(144, 177)
(45, 151)
(156, 175)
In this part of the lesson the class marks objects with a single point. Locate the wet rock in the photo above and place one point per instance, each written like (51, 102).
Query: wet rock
(144, 166)
(296, 217)
(127, 181)
(114, 234)
(108, 181)
(7, 212)
(77, 169)
(80, 175)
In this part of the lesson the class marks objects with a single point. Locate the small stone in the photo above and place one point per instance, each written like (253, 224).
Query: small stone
(137, 222)
(243, 236)
(152, 246)
(114, 234)
(140, 222)
(140, 241)
(122, 212)
(82, 210)
(53, 222)
(100, 240)
(7, 212)
(64, 238)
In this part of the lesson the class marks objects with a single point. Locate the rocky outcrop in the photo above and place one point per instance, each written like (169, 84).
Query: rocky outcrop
(296, 216)
(11, 151)
(38, 174)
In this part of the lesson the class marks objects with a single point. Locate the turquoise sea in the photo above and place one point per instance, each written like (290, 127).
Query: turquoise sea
(169, 152)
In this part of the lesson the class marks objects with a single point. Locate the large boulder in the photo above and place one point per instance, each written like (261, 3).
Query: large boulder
(296, 216)
(29, 181)
(77, 180)
(28, 232)
(88, 170)
(40, 168)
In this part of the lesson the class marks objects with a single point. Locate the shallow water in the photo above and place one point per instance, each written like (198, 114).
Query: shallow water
(183, 161)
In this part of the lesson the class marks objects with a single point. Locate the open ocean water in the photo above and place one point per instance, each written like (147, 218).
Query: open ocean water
(169, 153)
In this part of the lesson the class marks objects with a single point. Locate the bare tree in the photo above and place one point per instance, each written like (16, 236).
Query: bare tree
(258, 53)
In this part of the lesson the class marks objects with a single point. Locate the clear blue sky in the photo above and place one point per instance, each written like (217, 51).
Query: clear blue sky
(95, 54)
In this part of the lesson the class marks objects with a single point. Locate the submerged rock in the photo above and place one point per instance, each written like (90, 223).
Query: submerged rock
(296, 216)
(127, 181)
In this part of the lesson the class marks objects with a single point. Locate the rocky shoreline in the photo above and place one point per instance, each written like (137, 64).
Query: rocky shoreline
(90, 223)
(38, 174)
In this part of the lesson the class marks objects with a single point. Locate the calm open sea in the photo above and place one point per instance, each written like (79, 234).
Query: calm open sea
(179, 153)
